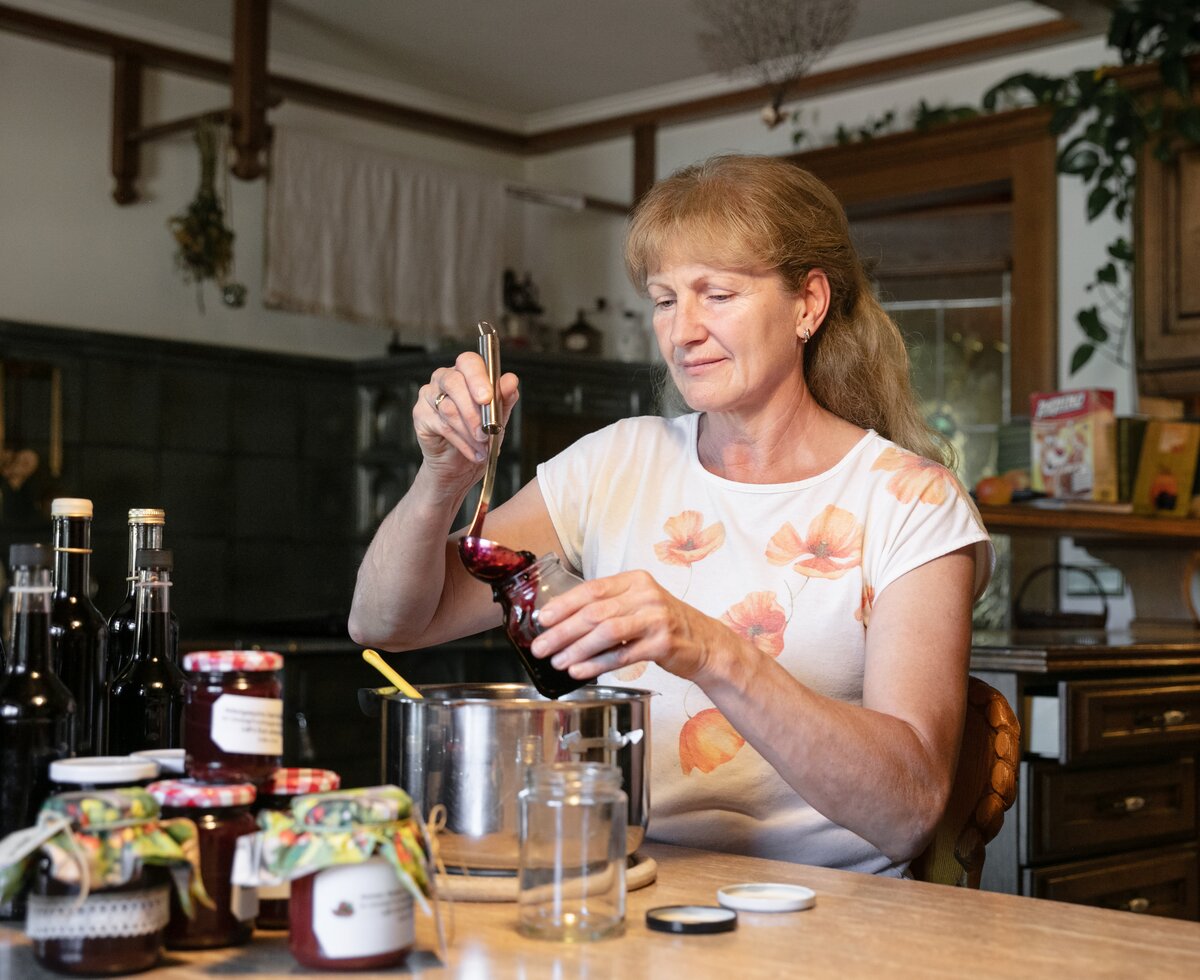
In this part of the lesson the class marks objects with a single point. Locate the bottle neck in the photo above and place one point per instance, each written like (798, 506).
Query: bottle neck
(30, 641)
(72, 555)
(141, 535)
(153, 609)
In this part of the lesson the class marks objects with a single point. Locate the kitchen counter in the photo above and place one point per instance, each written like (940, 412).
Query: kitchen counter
(861, 926)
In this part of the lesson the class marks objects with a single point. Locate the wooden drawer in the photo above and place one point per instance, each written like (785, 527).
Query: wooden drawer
(1108, 717)
(1163, 882)
(1077, 812)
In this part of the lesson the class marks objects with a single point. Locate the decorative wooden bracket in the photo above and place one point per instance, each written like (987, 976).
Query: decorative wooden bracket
(247, 119)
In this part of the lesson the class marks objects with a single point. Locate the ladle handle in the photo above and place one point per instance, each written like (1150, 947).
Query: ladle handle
(489, 350)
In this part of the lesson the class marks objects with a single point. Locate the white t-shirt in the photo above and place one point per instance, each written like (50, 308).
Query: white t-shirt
(794, 567)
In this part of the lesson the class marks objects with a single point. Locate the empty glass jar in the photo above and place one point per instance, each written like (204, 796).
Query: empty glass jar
(571, 884)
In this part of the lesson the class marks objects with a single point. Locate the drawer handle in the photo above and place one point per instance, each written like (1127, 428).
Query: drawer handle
(1130, 804)
(1166, 719)
(1138, 904)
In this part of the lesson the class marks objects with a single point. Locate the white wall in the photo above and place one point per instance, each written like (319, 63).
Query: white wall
(70, 256)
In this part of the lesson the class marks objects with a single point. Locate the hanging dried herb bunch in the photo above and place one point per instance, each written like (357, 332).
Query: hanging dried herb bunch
(205, 241)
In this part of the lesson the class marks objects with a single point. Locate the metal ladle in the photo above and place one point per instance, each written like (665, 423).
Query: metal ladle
(488, 560)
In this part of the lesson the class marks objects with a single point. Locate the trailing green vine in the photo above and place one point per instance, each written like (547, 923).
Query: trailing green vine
(1112, 126)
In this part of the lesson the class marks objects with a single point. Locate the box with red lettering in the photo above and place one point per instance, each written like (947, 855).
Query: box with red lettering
(1073, 444)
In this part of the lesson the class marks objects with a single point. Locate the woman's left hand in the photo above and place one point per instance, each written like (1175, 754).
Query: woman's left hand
(611, 622)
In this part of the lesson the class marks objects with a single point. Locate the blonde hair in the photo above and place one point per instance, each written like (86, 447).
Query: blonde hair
(764, 212)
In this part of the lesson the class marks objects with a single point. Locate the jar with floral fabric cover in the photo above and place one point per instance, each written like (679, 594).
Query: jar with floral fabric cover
(280, 791)
(103, 864)
(221, 813)
(356, 866)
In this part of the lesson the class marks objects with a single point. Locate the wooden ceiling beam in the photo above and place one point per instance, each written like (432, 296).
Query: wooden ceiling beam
(311, 93)
(248, 86)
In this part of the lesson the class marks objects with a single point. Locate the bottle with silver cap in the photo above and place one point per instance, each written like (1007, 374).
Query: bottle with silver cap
(145, 700)
(146, 526)
(78, 632)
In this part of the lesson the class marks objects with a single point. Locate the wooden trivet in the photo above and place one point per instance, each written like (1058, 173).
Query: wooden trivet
(503, 888)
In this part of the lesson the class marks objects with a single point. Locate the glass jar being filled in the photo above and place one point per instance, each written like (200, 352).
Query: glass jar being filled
(221, 814)
(571, 884)
(101, 896)
(521, 595)
(278, 795)
(233, 719)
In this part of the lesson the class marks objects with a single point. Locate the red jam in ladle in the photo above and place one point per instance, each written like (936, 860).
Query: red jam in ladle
(491, 562)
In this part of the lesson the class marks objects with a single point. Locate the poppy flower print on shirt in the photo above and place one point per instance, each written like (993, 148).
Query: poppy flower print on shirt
(706, 741)
(914, 477)
(760, 619)
(863, 613)
(688, 541)
(829, 549)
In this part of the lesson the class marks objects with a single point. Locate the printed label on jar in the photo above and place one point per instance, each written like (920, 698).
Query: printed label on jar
(248, 726)
(100, 916)
(361, 910)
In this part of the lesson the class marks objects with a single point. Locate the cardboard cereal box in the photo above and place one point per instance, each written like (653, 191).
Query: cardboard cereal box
(1073, 444)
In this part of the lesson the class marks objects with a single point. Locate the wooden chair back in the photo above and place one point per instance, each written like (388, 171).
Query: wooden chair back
(985, 786)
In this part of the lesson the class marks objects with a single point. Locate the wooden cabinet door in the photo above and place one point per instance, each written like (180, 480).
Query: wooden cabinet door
(1167, 285)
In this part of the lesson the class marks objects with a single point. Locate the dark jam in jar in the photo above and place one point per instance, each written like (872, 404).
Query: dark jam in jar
(521, 596)
(283, 787)
(233, 720)
(221, 814)
(351, 917)
(136, 911)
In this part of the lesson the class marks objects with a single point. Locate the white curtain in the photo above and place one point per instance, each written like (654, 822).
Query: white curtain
(362, 235)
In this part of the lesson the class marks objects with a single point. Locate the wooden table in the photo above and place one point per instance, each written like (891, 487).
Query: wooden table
(861, 926)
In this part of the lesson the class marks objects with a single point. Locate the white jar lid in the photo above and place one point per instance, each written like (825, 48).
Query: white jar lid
(765, 896)
(102, 770)
(169, 760)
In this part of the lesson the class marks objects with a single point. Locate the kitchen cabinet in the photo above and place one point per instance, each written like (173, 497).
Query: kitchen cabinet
(1167, 290)
(1106, 811)
(563, 397)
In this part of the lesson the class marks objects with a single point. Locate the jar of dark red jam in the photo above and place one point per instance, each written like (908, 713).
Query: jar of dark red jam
(356, 867)
(116, 842)
(115, 931)
(281, 789)
(222, 813)
(100, 772)
(233, 719)
(351, 917)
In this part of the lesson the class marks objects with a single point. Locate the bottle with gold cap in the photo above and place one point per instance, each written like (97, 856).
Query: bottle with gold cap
(78, 632)
(146, 526)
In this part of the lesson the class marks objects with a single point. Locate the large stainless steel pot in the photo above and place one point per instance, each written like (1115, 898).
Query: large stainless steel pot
(467, 747)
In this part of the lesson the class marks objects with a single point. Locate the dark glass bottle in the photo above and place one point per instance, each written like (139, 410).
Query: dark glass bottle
(36, 709)
(145, 531)
(145, 700)
(79, 634)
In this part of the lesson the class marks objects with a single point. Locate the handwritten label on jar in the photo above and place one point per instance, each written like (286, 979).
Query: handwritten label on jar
(248, 726)
(361, 910)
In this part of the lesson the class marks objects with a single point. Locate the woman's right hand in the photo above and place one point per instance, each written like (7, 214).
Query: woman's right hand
(448, 422)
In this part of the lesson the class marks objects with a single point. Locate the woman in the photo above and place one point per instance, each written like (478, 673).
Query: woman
(790, 565)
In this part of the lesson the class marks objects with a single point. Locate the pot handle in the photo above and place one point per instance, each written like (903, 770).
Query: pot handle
(576, 744)
(370, 700)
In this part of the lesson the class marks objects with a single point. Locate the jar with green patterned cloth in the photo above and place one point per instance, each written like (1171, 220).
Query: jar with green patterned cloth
(356, 865)
(103, 863)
